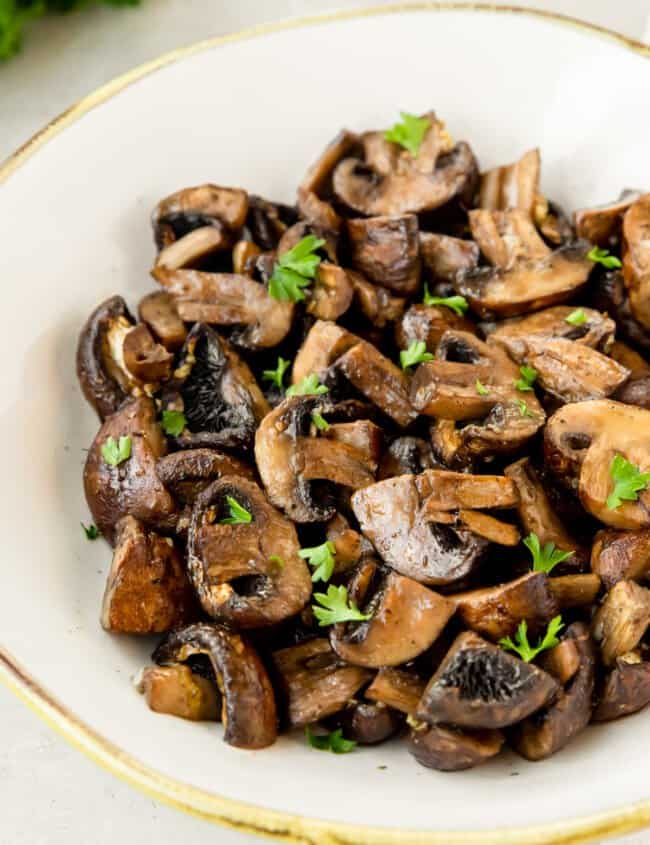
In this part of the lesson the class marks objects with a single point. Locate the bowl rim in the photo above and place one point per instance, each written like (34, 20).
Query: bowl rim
(239, 815)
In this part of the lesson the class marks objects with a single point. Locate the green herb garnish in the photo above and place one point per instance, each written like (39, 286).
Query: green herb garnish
(91, 531)
(576, 318)
(334, 741)
(458, 304)
(528, 376)
(628, 482)
(277, 375)
(116, 453)
(603, 256)
(409, 133)
(545, 557)
(295, 269)
(524, 410)
(319, 421)
(322, 559)
(238, 514)
(336, 607)
(481, 389)
(173, 422)
(523, 648)
(277, 560)
(309, 386)
(415, 354)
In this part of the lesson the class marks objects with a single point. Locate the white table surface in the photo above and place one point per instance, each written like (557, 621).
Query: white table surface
(49, 793)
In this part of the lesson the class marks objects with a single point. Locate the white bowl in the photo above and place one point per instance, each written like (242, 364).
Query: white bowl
(253, 110)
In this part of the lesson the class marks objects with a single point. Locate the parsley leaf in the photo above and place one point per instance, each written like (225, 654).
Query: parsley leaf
(458, 304)
(334, 741)
(295, 270)
(602, 256)
(628, 482)
(277, 375)
(116, 453)
(319, 421)
(309, 386)
(409, 133)
(173, 422)
(481, 389)
(277, 560)
(523, 648)
(576, 318)
(238, 514)
(92, 531)
(524, 410)
(336, 607)
(528, 376)
(322, 558)
(415, 354)
(545, 557)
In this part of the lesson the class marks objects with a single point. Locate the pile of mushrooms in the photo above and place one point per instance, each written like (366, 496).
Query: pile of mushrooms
(377, 464)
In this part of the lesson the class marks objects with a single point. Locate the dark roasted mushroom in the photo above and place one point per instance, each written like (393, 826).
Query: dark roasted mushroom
(177, 691)
(316, 187)
(575, 590)
(625, 690)
(385, 250)
(368, 724)
(636, 258)
(247, 574)
(147, 360)
(158, 311)
(512, 186)
(620, 556)
(375, 302)
(324, 343)
(602, 224)
(448, 749)
(622, 620)
(428, 324)
(191, 208)
(595, 329)
(397, 688)
(349, 545)
(268, 221)
(444, 257)
(405, 455)
(331, 294)
(248, 709)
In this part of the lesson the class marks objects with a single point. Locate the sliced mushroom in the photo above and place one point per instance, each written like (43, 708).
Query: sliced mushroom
(626, 689)
(331, 294)
(621, 556)
(428, 324)
(406, 456)
(229, 299)
(188, 251)
(448, 749)
(228, 206)
(597, 330)
(580, 442)
(376, 303)
(248, 575)
(479, 685)
(147, 591)
(562, 661)
(369, 724)
(636, 258)
(396, 688)
(610, 294)
(495, 612)
(268, 221)
(405, 619)
(188, 472)
(158, 311)
(512, 186)
(550, 730)
(506, 238)
(602, 224)
(392, 181)
(445, 256)
(622, 620)
(132, 488)
(316, 186)
(385, 250)
(363, 436)
(324, 343)
(349, 545)
(315, 681)
(177, 691)
(248, 708)
(216, 391)
(147, 360)
(575, 590)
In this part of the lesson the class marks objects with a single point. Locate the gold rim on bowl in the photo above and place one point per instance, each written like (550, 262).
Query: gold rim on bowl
(236, 814)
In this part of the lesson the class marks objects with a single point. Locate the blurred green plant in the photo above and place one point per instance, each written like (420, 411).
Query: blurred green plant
(14, 14)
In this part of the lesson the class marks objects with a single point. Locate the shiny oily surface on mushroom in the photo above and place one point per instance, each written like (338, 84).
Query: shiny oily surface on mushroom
(413, 489)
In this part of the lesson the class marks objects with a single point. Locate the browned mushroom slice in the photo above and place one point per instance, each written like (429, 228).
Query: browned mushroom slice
(177, 691)
(484, 525)
(248, 709)
(428, 323)
(375, 302)
(379, 380)
(405, 456)
(507, 238)
(267, 221)
(512, 186)
(147, 591)
(636, 390)
(315, 681)
(562, 661)
(316, 186)
(323, 345)
(229, 299)
(448, 749)
(147, 360)
(158, 311)
(331, 294)
(447, 390)
(405, 619)
(361, 435)
(350, 546)
(397, 688)
(602, 224)
(626, 689)
(550, 730)
(227, 205)
(620, 556)
(188, 472)
(132, 487)
(194, 246)
(244, 257)
(247, 574)
(369, 724)
(496, 612)
(216, 391)
(636, 258)
(575, 590)
(446, 491)
(385, 250)
(597, 330)
(537, 515)
(478, 685)
(580, 442)
(445, 256)
(621, 620)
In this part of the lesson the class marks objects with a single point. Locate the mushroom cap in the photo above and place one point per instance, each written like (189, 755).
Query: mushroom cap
(621, 555)
(177, 691)
(621, 620)
(445, 256)
(512, 185)
(386, 250)
(448, 749)
(625, 690)
(636, 258)
(602, 224)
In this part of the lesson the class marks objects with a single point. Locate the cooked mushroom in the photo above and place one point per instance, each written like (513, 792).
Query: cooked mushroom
(368, 724)
(177, 691)
(479, 685)
(216, 391)
(293, 460)
(550, 730)
(392, 181)
(400, 516)
(184, 210)
(580, 442)
(132, 487)
(268, 221)
(626, 689)
(602, 224)
(448, 749)
(575, 590)
(189, 250)
(406, 456)
(428, 324)
(188, 472)
(363, 436)
(331, 294)
(385, 250)
(316, 186)
(562, 661)
(315, 681)
(621, 556)
(495, 612)
(445, 256)
(396, 688)
(324, 343)
(595, 329)
(636, 258)
(512, 186)
(144, 358)
(248, 708)
(376, 303)
(622, 620)
(158, 311)
(147, 591)
(350, 546)
(526, 275)
(405, 619)
(247, 574)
